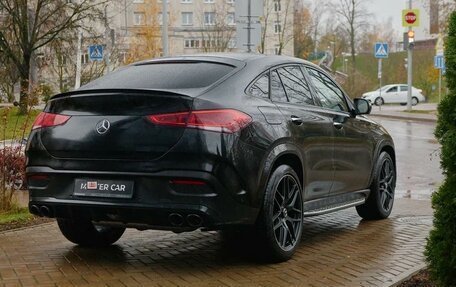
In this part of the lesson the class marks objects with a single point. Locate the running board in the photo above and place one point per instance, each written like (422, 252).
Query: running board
(336, 203)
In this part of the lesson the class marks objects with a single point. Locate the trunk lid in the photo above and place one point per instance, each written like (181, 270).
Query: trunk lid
(113, 125)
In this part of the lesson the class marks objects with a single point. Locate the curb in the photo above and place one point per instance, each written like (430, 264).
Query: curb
(401, 117)
(406, 276)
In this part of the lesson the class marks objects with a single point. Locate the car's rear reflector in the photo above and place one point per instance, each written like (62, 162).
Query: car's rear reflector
(44, 120)
(187, 182)
(222, 120)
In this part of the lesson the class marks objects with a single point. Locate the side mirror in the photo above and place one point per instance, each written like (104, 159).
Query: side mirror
(362, 107)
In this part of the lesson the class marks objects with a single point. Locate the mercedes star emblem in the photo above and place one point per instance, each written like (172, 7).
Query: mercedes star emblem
(103, 126)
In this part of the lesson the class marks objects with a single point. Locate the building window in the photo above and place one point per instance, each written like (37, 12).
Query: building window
(160, 19)
(214, 43)
(276, 49)
(85, 58)
(209, 18)
(187, 18)
(186, 1)
(209, 1)
(138, 1)
(139, 18)
(277, 27)
(230, 1)
(277, 6)
(230, 19)
(191, 43)
(232, 44)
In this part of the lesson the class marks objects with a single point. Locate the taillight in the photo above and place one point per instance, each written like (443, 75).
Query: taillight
(223, 120)
(44, 120)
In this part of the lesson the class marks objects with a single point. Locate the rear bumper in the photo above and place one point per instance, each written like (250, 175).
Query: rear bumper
(156, 203)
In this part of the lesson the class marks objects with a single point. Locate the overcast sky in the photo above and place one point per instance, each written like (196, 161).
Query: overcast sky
(384, 9)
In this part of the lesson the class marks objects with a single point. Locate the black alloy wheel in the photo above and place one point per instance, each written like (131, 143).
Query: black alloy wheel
(287, 213)
(381, 198)
(386, 185)
(279, 226)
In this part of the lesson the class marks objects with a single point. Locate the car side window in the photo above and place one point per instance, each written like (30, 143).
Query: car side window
(392, 90)
(328, 93)
(404, 88)
(277, 90)
(296, 87)
(260, 88)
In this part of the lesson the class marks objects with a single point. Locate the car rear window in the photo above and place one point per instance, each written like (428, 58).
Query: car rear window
(182, 75)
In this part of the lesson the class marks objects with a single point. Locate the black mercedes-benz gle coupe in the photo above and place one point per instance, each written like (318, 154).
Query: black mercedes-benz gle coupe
(214, 142)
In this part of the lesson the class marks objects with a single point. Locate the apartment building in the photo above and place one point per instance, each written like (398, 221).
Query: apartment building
(197, 26)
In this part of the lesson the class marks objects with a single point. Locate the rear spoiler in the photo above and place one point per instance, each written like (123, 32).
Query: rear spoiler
(124, 91)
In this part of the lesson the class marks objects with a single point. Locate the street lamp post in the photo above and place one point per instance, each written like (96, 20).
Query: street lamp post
(409, 69)
(165, 28)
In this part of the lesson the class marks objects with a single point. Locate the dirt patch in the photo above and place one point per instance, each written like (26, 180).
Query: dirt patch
(422, 279)
(20, 224)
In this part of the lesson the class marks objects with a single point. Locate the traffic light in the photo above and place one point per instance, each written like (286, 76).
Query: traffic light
(411, 36)
(409, 40)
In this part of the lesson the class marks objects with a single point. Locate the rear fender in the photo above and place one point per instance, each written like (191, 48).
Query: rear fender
(275, 153)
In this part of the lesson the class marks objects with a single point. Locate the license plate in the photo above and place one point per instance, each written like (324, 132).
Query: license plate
(103, 188)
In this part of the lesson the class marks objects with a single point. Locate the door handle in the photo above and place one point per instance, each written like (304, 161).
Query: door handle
(338, 125)
(296, 120)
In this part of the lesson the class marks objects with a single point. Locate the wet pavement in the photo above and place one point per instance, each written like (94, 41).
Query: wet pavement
(338, 249)
(417, 157)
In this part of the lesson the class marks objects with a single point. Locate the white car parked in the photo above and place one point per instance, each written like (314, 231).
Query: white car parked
(394, 94)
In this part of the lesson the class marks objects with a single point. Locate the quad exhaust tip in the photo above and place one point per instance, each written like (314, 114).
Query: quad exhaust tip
(194, 220)
(176, 219)
(45, 211)
(35, 210)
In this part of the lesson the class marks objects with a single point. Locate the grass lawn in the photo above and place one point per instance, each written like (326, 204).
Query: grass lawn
(15, 123)
(16, 215)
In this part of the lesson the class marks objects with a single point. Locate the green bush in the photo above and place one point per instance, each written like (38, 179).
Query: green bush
(441, 246)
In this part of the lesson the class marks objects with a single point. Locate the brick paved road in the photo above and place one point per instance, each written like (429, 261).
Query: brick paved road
(338, 250)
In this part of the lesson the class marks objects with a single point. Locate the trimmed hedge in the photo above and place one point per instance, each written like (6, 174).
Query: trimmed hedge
(441, 246)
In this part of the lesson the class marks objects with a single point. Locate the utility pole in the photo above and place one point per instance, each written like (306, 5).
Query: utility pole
(165, 28)
(108, 42)
(249, 26)
(409, 69)
(77, 82)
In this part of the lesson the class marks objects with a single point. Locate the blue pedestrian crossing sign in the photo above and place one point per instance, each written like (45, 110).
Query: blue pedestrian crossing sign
(381, 50)
(439, 62)
(96, 53)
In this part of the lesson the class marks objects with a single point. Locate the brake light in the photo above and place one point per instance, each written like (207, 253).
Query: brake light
(44, 120)
(223, 120)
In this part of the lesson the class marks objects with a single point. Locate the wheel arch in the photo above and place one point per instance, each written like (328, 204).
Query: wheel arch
(388, 147)
(283, 153)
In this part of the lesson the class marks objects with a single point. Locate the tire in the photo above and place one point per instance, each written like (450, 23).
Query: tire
(279, 226)
(86, 234)
(415, 101)
(379, 101)
(381, 198)
(403, 104)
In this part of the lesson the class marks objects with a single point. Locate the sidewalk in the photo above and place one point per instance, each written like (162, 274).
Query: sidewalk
(337, 249)
(421, 112)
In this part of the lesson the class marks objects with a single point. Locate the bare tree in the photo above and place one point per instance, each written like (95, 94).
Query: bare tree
(277, 20)
(29, 25)
(219, 29)
(268, 9)
(353, 15)
(303, 32)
